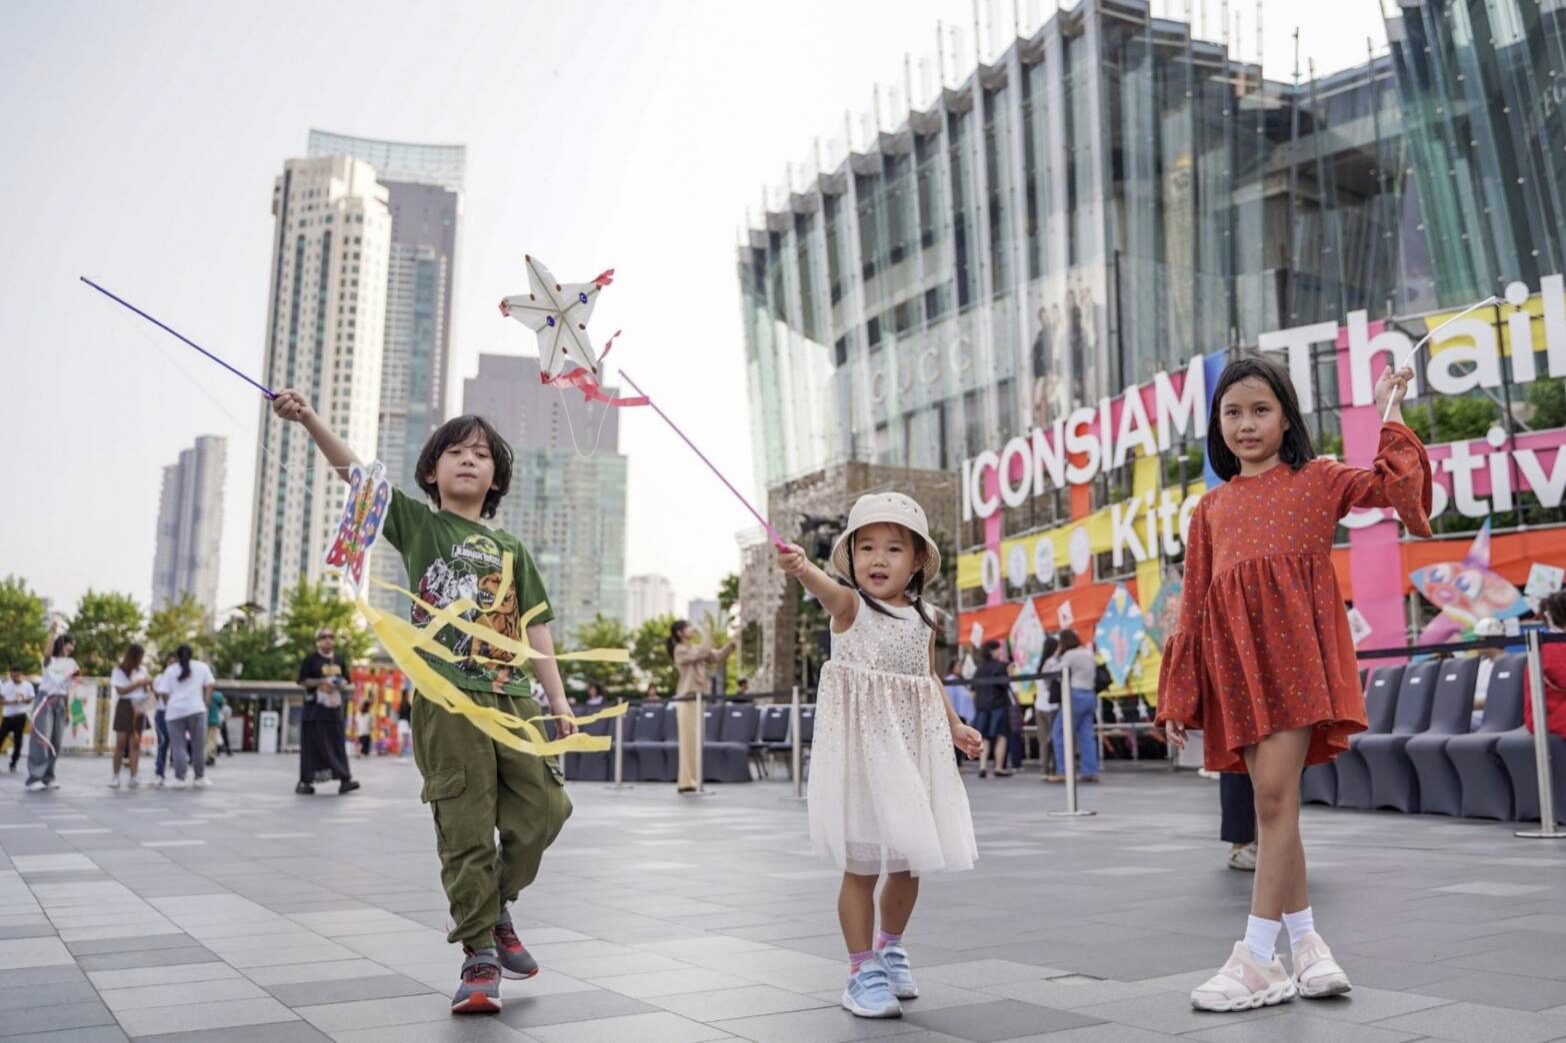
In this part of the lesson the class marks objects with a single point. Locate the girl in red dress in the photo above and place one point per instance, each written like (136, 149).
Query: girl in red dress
(1262, 661)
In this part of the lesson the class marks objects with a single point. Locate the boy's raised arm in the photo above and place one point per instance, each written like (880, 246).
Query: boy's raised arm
(291, 405)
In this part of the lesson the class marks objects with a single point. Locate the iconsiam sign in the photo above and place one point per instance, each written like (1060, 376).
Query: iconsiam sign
(1135, 430)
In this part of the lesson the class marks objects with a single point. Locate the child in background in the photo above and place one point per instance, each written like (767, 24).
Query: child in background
(885, 794)
(364, 726)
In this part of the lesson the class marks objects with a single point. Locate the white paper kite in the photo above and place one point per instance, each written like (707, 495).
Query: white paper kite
(558, 313)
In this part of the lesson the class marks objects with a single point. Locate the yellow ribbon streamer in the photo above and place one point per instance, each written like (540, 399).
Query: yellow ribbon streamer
(404, 643)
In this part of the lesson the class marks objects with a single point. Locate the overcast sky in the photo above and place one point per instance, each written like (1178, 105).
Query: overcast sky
(141, 142)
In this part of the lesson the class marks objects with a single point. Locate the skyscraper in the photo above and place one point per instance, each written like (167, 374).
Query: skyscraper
(190, 525)
(424, 192)
(326, 324)
(647, 597)
(567, 498)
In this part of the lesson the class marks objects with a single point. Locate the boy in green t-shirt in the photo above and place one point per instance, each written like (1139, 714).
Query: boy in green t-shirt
(474, 785)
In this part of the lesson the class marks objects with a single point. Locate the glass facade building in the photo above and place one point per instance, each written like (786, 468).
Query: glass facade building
(1112, 199)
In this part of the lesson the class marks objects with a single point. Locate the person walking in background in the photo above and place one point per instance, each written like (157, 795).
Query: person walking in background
(992, 706)
(652, 695)
(595, 696)
(405, 725)
(17, 693)
(1237, 802)
(958, 693)
(215, 731)
(324, 677)
(1078, 669)
(54, 692)
(189, 682)
(364, 727)
(131, 686)
(160, 722)
(691, 658)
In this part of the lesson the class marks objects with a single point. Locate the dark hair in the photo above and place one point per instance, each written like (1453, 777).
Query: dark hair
(1068, 641)
(132, 659)
(1296, 450)
(915, 590)
(592, 686)
(183, 654)
(457, 432)
(1553, 609)
(989, 648)
(60, 643)
(677, 631)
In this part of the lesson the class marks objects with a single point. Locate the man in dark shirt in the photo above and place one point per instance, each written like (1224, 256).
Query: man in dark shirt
(324, 677)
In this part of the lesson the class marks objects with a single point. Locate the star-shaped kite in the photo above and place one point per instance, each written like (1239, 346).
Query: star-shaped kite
(558, 314)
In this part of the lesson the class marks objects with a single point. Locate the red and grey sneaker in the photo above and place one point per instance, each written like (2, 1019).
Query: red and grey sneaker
(479, 992)
(515, 960)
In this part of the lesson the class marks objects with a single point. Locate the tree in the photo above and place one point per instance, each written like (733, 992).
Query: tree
(104, 626)
(728, 591)
(650, 654)
(311, 606)
(246, 646)
(1548, 400)
(22, 625)
(182, 622)
(602, 632)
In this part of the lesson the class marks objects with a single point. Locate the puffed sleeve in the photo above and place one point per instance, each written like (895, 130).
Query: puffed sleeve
(1400, 478)
(1180, 679)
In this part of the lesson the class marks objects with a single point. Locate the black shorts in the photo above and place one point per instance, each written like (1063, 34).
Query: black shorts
(993, 723)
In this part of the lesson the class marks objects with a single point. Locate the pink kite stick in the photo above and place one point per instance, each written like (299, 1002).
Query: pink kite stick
(776, 539)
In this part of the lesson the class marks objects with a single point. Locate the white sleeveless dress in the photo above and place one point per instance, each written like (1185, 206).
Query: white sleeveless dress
(884, 791)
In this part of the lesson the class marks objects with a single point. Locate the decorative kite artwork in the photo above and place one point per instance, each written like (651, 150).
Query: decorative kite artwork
(1027, 648)
(559, 315)
(1119, 634)
(1465, 592)
(364, 512)
(1163, 615)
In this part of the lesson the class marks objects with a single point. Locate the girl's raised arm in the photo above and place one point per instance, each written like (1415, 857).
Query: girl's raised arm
(840, 602)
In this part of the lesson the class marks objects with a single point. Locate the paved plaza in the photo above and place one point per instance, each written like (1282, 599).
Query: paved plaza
(244, 912)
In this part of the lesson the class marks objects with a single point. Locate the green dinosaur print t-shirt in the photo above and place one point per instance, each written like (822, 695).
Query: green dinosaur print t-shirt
(449, 558)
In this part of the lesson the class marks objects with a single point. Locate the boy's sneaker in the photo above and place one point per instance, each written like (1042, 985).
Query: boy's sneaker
(348, 786)
(1244, 984)
(479, 992)
(179, 784)
(202, 783)
(51, 784)
(895, 959)
(869, 993)
(304, 789)
(134, 782)
(515, 960)
(114, 783)
(35, 787)
(1316, 973)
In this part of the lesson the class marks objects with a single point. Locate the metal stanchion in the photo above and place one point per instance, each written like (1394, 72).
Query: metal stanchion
(619, 755)
(1069, 756)
(796, 758)
(1541, 747)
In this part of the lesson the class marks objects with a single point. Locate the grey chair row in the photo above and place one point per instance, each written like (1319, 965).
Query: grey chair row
(735, 737)
(1419, 755)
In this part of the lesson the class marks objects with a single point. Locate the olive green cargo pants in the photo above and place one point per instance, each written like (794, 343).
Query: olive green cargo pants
(476, 788)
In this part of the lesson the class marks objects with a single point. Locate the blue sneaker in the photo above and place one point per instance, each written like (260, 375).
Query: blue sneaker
(869, 993)
(895, 959)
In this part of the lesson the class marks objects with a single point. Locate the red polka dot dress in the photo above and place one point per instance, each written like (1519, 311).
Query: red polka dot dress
(1263, 644)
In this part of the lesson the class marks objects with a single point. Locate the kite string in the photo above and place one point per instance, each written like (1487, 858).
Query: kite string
(173, 362)
(571, 428)
(1492, 299)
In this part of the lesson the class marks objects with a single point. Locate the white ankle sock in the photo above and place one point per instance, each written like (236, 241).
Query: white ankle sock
(1261, 938)
(1299, 924)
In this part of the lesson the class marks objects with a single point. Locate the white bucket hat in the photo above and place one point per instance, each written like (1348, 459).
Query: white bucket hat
(895, 509)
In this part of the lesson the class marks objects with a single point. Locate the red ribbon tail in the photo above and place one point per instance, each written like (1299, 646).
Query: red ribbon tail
(604, 278)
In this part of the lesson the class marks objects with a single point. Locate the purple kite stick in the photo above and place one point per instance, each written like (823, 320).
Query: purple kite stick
(268, 392)
(776, 539)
